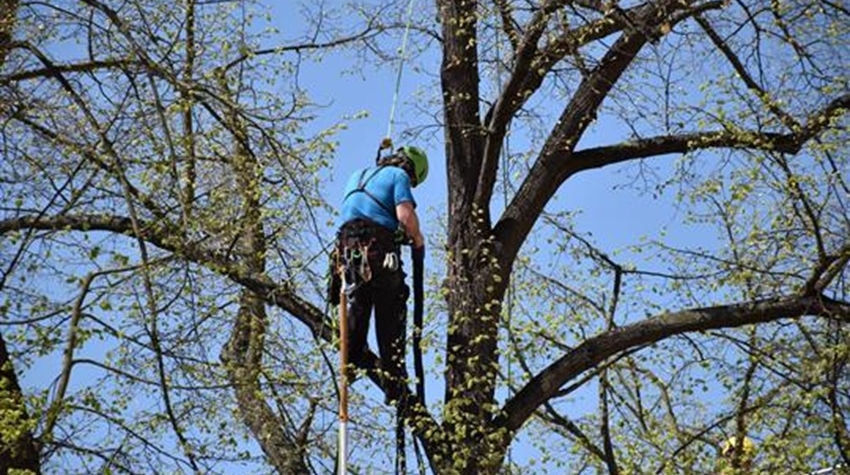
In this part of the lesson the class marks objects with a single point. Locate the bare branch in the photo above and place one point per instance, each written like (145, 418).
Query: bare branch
(745, 76)
(67, 359)
(368, 32)
(549, 173)
(652, 330)
(84, 67)
(260, 284)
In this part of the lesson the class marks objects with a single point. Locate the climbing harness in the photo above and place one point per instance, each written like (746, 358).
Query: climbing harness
(359, 245)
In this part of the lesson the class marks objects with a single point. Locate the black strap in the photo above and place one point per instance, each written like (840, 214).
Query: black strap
(379, 238)
(361, 188)
(418, 298)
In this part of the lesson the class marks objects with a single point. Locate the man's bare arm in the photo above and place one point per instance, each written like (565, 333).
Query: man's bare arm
(406, 215)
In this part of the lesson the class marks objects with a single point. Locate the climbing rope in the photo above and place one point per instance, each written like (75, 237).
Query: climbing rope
(387, 141)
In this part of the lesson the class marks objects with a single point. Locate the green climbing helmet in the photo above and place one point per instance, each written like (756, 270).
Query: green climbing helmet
(420, 162)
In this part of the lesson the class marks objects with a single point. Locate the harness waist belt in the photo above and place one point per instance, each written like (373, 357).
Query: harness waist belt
(365, 229)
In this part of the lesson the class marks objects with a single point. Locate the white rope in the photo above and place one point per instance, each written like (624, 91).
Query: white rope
(400, 68)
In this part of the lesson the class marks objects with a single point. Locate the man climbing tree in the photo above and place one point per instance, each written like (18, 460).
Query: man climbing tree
(645, 232)
(378, 212)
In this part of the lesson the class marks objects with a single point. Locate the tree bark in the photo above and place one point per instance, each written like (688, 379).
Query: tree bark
(18, 448)
(8, 17)
(243, 354)
(474, 276)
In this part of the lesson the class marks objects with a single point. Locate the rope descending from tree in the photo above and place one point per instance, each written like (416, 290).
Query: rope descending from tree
(400, 69)
(387, 142)
(418, 257)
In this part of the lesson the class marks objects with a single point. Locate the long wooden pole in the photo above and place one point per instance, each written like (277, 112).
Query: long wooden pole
(343, 382)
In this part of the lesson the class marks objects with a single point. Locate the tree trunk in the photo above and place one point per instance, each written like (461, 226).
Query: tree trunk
(243, 354)
(475, 302)
(18, 449)
(8, 15)
(476, 279)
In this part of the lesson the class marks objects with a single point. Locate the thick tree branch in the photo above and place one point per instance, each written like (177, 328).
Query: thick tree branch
(265, 288)
(306, 313)
(599, 157)
(548, 172)
(688, 142)
(597, 349)
(531, 198)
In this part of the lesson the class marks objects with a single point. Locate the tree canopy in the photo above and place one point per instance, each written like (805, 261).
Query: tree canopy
(165, 226)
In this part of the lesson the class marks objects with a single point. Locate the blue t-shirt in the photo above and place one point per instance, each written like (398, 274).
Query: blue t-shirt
(388, 185)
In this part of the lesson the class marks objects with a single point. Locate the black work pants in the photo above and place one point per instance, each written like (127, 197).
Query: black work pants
(387, 294)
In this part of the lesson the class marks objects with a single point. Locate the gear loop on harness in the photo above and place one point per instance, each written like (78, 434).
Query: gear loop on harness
(362, 245)
(391, 261)
(355, 268)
